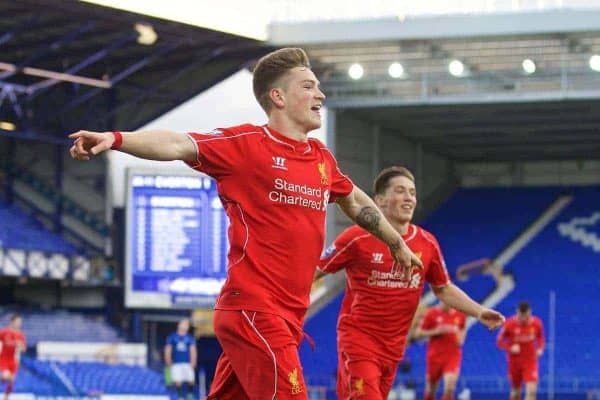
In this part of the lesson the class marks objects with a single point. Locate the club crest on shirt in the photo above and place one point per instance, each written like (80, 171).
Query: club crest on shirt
(359, 386)
(293, 378)
(323, 171)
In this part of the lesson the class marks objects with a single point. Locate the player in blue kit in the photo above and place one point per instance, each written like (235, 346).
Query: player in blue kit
(181, 356)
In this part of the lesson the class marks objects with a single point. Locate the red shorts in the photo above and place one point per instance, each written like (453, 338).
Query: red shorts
(9, 364)
(438, 367)
(260, 358)
(364, 379)
(520, 372)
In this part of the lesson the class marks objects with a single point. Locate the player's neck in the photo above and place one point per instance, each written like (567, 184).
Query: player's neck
(400, 227)
(287, 128)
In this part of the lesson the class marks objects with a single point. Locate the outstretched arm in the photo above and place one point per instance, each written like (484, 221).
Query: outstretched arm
(362, 209)
(454, 297)
(157, 145)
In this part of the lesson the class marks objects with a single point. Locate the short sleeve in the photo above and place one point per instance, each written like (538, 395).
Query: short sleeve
(436, 275)
(219, 152)
(341, 252)
(341, 185)
(169, 340)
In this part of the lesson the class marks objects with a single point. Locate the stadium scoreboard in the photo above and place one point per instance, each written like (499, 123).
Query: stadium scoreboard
(176, 241)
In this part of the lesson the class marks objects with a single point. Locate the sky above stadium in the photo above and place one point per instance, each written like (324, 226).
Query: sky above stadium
(251, 18)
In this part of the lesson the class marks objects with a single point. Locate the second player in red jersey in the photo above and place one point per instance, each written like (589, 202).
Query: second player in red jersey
(381, 299)
(12, 343)
(522, 337)
(445, 328)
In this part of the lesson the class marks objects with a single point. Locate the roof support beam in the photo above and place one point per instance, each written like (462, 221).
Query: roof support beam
(12, 69)
(122, 75)
(41, 87)
(45, 50)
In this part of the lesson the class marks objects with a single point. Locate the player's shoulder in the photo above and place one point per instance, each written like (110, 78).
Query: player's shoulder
(512, 320)
(320, 146)
(352, 233)
(238, 131)
(433, 310)
(317, 143)
(424, 236)
(424, 233)
(244, 128)
(536, 320)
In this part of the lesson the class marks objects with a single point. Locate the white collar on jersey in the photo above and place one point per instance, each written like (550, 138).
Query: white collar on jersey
(269, 134)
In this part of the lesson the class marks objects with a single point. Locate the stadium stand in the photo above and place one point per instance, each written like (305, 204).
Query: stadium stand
(62, 325)
(21, 231)
(87, 379)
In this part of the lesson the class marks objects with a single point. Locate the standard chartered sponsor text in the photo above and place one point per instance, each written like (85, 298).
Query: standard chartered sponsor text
(387, 279)
(298, 194)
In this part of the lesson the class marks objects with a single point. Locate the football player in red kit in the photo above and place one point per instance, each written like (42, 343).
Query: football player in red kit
(522, 337)
(445, 328)
(275, 183)
(12, 343)
(381, 299)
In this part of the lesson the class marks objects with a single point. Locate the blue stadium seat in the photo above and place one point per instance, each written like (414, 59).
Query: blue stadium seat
(63, 326)
(21, 231)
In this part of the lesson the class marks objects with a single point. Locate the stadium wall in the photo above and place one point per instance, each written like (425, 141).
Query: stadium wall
(363, 149)
(529, 173)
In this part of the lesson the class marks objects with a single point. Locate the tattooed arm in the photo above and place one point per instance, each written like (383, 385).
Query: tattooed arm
(362, 209)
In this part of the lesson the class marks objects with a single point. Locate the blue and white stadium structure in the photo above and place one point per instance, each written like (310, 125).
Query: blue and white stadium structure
(496, 113)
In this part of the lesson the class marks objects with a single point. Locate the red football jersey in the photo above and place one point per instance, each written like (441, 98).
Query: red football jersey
(447, 344)
(275, 191)
(10, 339)
(379, 304)
(529, 336)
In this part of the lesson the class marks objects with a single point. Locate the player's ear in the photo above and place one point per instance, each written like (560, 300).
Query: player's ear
(380, 201)
(277, 97)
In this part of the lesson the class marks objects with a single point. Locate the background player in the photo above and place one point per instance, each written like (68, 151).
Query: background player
(522, 337)
(181, 357)
(12, 343)
(275, 184)
(445, 328)
(381, 299)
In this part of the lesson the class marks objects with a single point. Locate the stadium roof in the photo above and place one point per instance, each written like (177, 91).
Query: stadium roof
(67, 65)
(494, 110)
